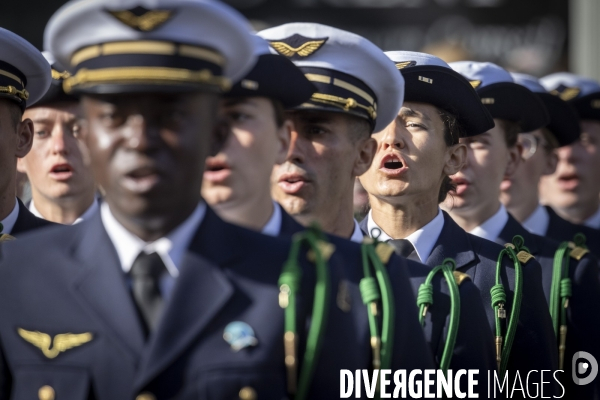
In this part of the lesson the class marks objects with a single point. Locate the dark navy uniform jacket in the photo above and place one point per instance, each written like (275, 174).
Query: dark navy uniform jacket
(562, 230)
(26, 221)
(410, 348)
(474, 343)
(534, 346)
(69, 280)
(583, 317)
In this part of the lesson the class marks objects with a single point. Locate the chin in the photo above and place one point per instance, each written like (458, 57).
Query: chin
(294, 205)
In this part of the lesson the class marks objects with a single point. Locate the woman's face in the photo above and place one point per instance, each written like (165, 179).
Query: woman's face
(412, 157)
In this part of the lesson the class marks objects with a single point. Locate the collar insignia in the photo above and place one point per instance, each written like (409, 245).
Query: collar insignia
(62, 342)
(405, 64)
(56, 75)
(297, 46)
(141, 18)
(566, 93)
(239, 335)
(475, 83)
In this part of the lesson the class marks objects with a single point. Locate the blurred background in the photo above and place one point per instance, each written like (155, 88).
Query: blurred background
(532, 36)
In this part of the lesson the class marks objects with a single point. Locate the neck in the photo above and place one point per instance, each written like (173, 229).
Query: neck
(524, 209)
(62, 210)
(152, 227)
(580, 213)
(474, 218)
(252, 214)
(401, 220)
(337, 220)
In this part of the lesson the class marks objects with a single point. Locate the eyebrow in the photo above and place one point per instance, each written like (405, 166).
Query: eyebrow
(407, 112)
(235, 101)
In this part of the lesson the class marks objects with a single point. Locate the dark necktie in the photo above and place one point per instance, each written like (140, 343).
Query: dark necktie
(403, 247)
(145, 275)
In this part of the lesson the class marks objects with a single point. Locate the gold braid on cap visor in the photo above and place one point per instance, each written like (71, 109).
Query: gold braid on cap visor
(144, 75)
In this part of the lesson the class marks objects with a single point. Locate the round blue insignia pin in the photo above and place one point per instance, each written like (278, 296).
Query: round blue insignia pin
(239, 335)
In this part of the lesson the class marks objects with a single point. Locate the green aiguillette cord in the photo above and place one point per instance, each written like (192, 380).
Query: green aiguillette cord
(375, 289)
(425, 301)
(289, 286)
(504, 344)
(561, 291)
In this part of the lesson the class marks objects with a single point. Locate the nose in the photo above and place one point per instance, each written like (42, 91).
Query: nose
(392, 137)
(141, 133)
(569, 153)
(58, 140)
(295, 151)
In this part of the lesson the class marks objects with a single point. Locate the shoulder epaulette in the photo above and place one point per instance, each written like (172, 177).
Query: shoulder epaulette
(579, 252)
(460, 277)
(384, 252)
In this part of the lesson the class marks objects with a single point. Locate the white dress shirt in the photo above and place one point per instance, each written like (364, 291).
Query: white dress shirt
(170, 248)
(8, 223)
(491, 228)
(357, 235)
(538, 221)
(423, 240)
(594, 220)
(273, 226)
(83, 217)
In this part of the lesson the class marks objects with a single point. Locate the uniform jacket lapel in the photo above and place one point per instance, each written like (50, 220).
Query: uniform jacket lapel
(27, 221)
(513, 228)
(201, 291)
(102, 286)
(453, 242)
(289, 226)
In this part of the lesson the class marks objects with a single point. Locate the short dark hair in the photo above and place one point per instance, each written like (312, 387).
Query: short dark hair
(511, 131)
(359, 128)
(453, 131)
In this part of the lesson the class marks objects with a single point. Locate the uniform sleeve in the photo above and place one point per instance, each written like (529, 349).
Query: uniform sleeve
(5, 378)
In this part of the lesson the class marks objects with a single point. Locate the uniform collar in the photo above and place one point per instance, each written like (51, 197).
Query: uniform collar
(538, 221)
(423, 240)
(594, 220)
(83, 217)
(8, 223)
(273, 226)
(357, 235)
(491, 228)
(171, 248)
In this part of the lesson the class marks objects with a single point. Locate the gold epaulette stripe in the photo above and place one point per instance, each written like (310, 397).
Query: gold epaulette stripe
(147, 47)
(384, 251)
(139, 75)
(578, 253)
(11, 76)
(343, 84)
(524, 257)
(460, 277)
(325, 248)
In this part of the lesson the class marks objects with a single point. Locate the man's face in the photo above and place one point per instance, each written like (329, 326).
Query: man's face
(411, 157)
(538, 159)
(58, 164)
(322, 162)
(148, 150)
(576, 178)
(489, 161)
(242, 169)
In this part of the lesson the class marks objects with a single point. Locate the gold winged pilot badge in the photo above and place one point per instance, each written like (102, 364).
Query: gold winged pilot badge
(62, 342)
(141, 18)
(297, 46)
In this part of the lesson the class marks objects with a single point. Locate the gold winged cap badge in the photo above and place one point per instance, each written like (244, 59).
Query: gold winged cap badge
(146, 22)
(62, 342)
(304, 50)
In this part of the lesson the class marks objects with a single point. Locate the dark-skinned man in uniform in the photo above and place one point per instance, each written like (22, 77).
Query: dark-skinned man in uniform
(150, 299)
